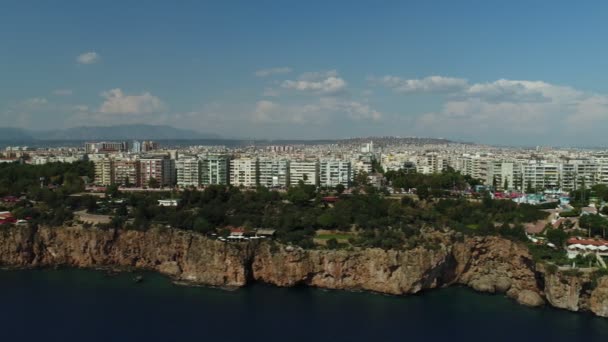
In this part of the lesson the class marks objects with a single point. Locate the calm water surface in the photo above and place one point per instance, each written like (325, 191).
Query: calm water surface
(78, 305)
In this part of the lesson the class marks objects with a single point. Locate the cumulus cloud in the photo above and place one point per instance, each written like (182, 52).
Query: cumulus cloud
(317, 82)
(90, 57)
(427, 84)
(116, 102)
(519, 109)
(317, 113)
(521, 91)
(34, 102)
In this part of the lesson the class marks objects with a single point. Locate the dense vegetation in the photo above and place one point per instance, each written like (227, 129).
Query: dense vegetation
(369, 216)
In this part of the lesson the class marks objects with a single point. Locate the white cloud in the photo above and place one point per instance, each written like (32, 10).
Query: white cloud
(272, 71)
(270, 92)
(317, 75)
(427, 84)
(519, 109)
(521, 91)
(116, 102)
(88, 58)
(35, 102)
(317, 113)
(318, 82)
(63, 92)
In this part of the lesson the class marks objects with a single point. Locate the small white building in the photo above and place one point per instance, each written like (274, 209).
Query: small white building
(168, 202)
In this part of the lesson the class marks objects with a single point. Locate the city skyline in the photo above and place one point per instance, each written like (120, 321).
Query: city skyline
(522, 75)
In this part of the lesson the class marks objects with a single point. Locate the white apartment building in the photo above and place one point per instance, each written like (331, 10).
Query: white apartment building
(188, 172)
(304, 170)
(334, 172)
(243, 172)
(273, 172)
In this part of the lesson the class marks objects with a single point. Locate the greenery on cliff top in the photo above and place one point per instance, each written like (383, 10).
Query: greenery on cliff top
(371, 216)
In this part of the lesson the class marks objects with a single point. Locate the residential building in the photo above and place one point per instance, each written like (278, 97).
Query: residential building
(215, 169)
(243, 172)
(188, 172)
(304, 170)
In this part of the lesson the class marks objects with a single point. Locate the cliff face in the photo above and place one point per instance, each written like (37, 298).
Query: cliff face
(181, 255)
(487, 264)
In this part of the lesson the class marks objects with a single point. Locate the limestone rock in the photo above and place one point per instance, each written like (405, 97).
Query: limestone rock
(598, 301)
(530, 298)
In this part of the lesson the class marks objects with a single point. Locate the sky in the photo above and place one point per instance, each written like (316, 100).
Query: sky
(496, 72)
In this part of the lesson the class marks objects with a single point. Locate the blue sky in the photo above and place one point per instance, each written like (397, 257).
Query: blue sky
(500, 72)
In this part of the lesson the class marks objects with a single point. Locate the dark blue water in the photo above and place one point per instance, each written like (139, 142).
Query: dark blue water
(76, 305)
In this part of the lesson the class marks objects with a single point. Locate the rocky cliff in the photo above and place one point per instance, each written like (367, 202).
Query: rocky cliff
(487, 264)
(181, 255)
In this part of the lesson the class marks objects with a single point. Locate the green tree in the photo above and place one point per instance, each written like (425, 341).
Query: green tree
(153, 183)
(201, 225)
(340, 189)
(332, 243)
(557, 237)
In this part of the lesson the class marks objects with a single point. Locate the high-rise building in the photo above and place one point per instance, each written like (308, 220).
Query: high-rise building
(188, 172)
(273, 172)
(104, 171)
(136, 147)
(215, 169)
(304, 170)
(106, 147)
(334, 172)
(243, 171)
(126, 172)
(161, 168)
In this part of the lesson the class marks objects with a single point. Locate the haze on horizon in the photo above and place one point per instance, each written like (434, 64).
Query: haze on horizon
(510, 73)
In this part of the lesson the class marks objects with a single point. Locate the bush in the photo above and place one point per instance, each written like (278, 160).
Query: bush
(332, 243)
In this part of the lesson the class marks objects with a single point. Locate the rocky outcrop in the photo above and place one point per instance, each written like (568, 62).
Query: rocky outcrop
(487, 264)
(181, 255)
(598, 300)
(372, 269)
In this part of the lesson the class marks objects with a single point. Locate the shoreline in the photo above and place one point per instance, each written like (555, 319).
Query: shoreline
(490, 265)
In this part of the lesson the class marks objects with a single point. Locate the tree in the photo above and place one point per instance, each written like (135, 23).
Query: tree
(557, 237)
(112, 191)
(153, 183)
(340, 189)
(201, 225)
(332, 243)
(505, 185)
(361, 178)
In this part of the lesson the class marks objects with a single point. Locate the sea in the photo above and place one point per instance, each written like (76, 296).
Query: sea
(86, 305)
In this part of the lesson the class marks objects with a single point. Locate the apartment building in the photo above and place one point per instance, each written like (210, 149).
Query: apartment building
(243, 172)
(188, 170)
(104, 171)
(215, 169)
(126, 172)
(304, 170)
(334, 172)
(160, 168)
(273, 172)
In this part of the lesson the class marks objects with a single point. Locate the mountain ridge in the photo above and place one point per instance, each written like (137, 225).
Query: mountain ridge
(118, 132)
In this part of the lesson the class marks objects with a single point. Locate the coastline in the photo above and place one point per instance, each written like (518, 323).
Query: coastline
(485, 264)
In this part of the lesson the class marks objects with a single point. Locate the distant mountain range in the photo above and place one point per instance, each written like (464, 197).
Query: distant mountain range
(122, 132)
